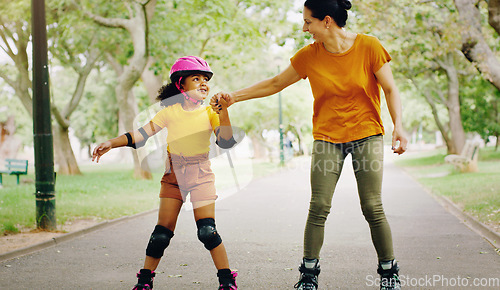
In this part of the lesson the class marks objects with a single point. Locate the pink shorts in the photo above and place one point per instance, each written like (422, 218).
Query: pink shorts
(188, 174)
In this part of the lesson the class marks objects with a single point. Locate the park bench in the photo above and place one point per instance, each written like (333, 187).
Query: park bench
(467, 160)
(14, 167)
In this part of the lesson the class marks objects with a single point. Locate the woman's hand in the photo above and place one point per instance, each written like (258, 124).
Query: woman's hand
(100, 150)
(399, 135)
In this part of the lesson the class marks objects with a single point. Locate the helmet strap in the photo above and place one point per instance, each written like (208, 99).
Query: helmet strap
(178, 85)
(195, 101)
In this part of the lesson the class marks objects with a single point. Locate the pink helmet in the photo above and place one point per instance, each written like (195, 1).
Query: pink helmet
(189, 65)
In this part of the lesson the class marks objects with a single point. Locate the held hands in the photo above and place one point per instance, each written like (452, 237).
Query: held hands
(398, 135)
(100, 150)
(221, 101)
(222, 104)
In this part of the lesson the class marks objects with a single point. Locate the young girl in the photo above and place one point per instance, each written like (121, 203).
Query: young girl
(189, 126)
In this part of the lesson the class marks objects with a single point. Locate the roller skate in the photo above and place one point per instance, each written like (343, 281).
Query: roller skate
(389, 275)
(227, 279)
(145, 281)
(309, 271)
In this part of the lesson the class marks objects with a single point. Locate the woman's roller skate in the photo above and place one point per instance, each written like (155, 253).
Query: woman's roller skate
(309, 271)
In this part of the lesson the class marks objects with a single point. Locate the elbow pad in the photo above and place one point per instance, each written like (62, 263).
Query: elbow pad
(226, 144)
(137, 144)
(223, 143)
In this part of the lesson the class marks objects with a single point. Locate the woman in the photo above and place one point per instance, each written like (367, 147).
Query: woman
(345, 71)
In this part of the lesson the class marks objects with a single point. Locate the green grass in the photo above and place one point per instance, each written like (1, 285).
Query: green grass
(100, 194)
(103, 192)
(10, 228)
(432, 158)
(476, 193)
(488, 154)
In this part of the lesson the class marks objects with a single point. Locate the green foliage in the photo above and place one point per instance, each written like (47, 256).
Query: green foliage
(240, 40)
(229, 34)
(225, 32)
(480, 112)
(97, 117)
(15, 10)
(421, 36)
(257, 115)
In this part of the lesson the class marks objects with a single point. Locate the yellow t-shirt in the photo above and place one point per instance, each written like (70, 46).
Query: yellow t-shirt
(188, 131)
(346, 92)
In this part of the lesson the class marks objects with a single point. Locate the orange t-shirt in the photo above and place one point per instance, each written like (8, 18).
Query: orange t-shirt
(346, 92)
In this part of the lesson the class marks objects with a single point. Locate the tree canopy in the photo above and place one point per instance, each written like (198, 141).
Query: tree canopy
(436, 60)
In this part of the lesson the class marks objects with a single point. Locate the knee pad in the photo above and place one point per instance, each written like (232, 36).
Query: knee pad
(207, 233)
(159, 241)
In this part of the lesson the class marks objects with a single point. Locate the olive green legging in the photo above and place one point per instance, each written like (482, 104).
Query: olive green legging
(327, 161)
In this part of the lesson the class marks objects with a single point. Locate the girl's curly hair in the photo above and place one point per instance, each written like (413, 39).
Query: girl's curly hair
(169, 95)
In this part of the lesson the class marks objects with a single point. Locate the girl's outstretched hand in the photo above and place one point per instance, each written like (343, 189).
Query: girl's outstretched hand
(100, 150)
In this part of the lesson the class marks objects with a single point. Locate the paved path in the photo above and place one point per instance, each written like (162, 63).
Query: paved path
(262, 228)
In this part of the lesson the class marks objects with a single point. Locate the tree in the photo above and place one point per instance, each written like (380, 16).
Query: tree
(483, 99)
(73, 52)
(260, 115)
(15, 32)
(494, 14)
(135, 21)
(474, 43)
(78, 52)
(216, 31)
(422, 39)
(230, 35)
(97, 117)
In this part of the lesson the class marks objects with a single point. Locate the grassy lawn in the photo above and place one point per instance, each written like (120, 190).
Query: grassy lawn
(476, 193)
(103, 192)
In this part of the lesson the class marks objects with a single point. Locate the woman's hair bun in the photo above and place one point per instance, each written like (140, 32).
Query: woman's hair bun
(346, 4)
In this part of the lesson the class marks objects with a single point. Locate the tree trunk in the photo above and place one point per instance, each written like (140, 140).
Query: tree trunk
(137, 27)
(23, 85)
(127, 111)
(437, 119)
(497, 142)
(152, 81)
(439, 124)
(494, 14)
(259, 150)
(65, 157)
(295, 128)
(453, 104)
(474, 46)
(497, 117)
